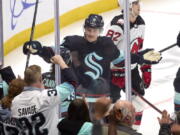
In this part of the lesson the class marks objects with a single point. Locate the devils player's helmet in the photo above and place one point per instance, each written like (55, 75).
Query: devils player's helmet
(121, 3)
(94, 21)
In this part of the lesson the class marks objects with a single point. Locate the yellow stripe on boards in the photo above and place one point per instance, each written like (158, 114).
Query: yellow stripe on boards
(70, 17)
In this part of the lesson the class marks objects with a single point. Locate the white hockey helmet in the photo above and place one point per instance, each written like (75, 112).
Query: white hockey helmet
(121, 3)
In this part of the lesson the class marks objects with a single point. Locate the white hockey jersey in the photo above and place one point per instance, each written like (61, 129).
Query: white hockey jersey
(116, 32)
(9, 127)
(37, 110)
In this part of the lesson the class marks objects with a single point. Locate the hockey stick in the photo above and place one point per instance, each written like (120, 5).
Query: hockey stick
(150, 104)
(32, 31)
(167, 48)
(145, 100)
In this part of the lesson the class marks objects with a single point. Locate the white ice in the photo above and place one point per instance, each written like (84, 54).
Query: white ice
(162, 19)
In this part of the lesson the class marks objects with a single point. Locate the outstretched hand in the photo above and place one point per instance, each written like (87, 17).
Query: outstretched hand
(165, 119)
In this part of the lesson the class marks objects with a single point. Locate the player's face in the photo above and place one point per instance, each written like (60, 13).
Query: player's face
(91, 34)
(136, 8)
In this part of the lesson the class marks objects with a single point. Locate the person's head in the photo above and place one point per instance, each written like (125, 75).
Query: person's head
(32, 76)
(15, 88)
(102, 107)
(93, 26)
(124, 112)
(134, 7)
(78, 111)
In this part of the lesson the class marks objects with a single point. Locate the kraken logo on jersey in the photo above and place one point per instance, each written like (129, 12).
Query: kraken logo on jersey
(90, 61)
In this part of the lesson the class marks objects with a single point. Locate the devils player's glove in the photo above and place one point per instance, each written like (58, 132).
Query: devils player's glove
(178, 39)
(32, 47)
(146, 75)
(118, 77)
(148, 56)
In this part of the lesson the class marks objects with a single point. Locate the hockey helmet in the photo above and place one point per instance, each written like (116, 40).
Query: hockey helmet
(121, 3)
(94, 21)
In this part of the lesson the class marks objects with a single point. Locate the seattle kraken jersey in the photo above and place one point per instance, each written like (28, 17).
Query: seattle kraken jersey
(37, 110)
(49, 83)
(92, 60)
(48, 79)
(9, 127)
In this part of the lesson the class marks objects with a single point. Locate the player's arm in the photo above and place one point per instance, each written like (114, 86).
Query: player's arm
(70, 84)
(70, 43)
(147, 56)
(61, 92)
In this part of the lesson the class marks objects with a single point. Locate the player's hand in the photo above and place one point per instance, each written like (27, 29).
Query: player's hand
(152, 56)
(165, 119)
(178, 39)
(57, 59)
(149, 56)
(32, 47)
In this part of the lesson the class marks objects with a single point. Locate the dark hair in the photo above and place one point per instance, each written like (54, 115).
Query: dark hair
(78, 111)
(15, 88)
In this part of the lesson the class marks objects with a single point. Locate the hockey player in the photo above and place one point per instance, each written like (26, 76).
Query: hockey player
(91, 58)
(36, 108)
(137, 29)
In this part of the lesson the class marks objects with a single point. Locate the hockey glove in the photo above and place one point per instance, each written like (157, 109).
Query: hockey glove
(46, 53)
(32, 47)
(148, 56)
(118, 77)
(178, 39)
(146, 75)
